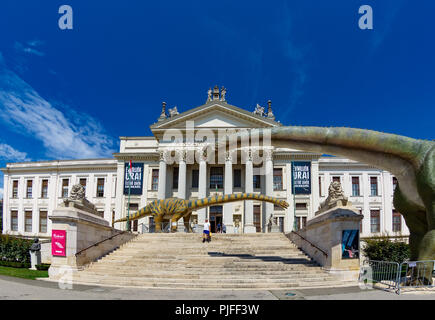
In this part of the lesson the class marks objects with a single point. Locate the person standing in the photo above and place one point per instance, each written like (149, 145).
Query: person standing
(206, 232)
(224, 228)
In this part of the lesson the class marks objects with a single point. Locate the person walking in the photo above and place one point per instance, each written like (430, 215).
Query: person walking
(224, 228)
(206, 232)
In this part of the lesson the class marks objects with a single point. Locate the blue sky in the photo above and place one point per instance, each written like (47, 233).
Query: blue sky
(68, 94)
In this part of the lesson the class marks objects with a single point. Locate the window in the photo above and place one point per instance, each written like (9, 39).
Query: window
(397, 221)
(373, 186)
(175, 178)
(336, 179)
(375, 221)
(195, 178)
(100, 213)
(29, 189)
(15, 189)
(256, 182)
(395, 182)
(277, 179)
(65, 183)
(28, 221)
(301, 222)
(155, 179)
(14, 220)
(100, 187)
(44, 189)
(355, 187)
(82, 181)
(237, 183)
(216, 178)
(43, 221)
(301, 205)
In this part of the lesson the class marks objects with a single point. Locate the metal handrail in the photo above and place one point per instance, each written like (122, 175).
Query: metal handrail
(99, 242)
(312, 244)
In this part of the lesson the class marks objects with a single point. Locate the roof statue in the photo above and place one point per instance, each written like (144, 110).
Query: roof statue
(259, 110)
(223, 93)
(163, 113)
(173, 111)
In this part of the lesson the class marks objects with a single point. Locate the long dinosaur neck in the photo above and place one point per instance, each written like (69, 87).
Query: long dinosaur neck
(214, 200)
(136, 215)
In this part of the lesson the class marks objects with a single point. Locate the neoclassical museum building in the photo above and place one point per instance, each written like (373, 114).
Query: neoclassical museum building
(177, 161)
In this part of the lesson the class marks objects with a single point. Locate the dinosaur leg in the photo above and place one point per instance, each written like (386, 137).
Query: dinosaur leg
(187, 222)
(175, 218)
(427, 252)
(415, 219)
(158, 219)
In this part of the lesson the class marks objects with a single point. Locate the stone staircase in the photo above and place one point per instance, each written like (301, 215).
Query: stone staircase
(229, 261)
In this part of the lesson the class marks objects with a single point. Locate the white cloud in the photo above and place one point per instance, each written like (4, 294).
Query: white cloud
(28, 49)
(8, 153)
(80, 136)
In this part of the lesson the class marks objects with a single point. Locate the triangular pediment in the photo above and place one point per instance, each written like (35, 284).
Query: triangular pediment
(216, 115)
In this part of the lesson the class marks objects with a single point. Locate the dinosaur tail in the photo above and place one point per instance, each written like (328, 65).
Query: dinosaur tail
(201, 203)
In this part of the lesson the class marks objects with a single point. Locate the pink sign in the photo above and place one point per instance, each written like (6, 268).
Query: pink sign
(58, 243)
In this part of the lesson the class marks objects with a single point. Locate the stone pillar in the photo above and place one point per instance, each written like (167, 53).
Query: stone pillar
(386, 183)
(315, 192)
(269, 183)
(161, 192)
(181, 184)
(7, 193)
(202, 189)
(249, 188)
(119, 207)
(228, 207)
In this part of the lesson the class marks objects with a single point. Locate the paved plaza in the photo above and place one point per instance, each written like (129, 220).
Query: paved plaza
(23, 289)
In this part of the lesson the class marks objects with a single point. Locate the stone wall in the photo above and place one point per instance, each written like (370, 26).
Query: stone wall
(87, 238)
(321, 239)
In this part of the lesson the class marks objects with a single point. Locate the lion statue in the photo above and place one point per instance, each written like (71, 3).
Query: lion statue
(335, 193)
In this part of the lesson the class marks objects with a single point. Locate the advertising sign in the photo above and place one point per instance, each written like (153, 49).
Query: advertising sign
(350, 244)
(58, 243)
(301, 177)
(133, 179)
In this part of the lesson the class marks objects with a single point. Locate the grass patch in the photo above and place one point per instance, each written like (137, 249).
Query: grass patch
(23, 273)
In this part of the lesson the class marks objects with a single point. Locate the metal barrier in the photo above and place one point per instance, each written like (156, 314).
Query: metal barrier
(392, 275)
(383, 272)
(416, 274)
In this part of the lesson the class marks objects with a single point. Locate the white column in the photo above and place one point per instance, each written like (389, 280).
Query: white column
(119, 207)
(21, 195)
(228, 207)
(365, 186)
(108, 197)
(269, 183)
(161, 192)
(249, 188)
(290, 200)
(202, 189)
(182, 169)
(386, 183)
(6, 196)
(35, 209)
(315, 192)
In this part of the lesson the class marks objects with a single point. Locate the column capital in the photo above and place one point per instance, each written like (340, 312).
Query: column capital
(202, 154)
(181, 155)
(229, 156)
(268, 153)
(162, 155)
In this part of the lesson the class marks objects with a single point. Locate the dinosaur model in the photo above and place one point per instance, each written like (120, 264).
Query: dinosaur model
(411, 161)
(174, 208)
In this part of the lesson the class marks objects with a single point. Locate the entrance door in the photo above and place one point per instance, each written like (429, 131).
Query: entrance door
(215, 218)
(257, 218)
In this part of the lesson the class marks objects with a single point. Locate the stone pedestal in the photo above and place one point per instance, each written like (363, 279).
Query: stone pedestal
(321, 239)
(35, 258)
(84, 232)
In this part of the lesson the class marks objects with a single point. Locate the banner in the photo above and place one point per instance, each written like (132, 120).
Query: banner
(301, 177)
(133, 179)
(58, 243)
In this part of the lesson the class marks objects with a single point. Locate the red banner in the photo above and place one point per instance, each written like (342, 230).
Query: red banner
(58, 243)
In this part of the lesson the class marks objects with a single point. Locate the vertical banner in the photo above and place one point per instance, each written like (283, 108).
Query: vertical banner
(133, 179)
(58, 243)
(301, 177)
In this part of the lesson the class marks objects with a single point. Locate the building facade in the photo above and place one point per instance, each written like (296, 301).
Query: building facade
(180, 160)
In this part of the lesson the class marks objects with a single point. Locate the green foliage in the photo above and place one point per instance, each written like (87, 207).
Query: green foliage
(14, 249)
(43, 266)
(386, 250)
(23, 273)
